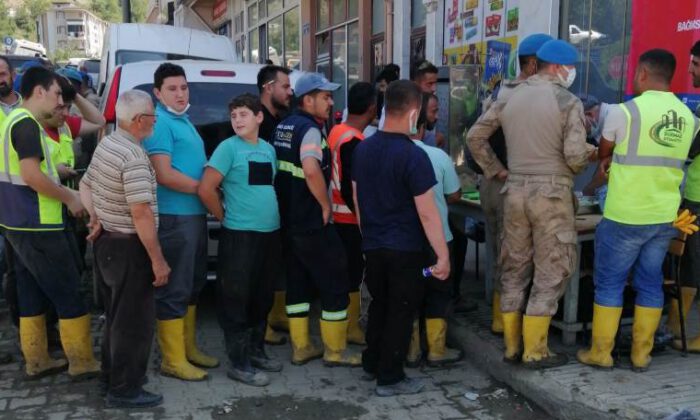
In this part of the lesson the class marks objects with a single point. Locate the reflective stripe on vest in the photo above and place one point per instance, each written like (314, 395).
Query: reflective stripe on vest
(632, 157)
(341, 212)
(647, 165)
(24, 209)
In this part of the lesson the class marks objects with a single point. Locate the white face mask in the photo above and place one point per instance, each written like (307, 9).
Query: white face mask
(570, 78)
(176, 112)
(413, 124)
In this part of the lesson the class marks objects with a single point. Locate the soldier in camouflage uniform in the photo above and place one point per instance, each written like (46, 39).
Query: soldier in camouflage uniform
(546, 145)
(490, 188)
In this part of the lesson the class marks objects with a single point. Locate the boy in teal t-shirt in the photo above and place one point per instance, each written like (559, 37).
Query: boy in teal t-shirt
(244, 167)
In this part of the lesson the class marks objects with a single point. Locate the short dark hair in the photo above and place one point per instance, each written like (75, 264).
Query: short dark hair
(36, 76)
(523, 59)
(68, 91)
(268, 74)
(389, 73)
(166, 70)
(660, 63)
(696, 49)
(423, 116)
(400, 96)
(361, 97)
(246, 100)
(422, 68)
(7, 61)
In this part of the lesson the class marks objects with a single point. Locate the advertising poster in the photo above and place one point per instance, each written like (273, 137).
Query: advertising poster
(675, 29)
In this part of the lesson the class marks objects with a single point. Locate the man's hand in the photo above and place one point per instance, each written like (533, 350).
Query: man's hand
(95, 229)
(502, 175)
(604, 166)
(326, 215)
(441, 270)
(65, 171)
(594, 155)
(75, 206)
(161, 271)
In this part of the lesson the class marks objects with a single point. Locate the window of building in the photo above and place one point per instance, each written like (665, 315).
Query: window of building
(601, 31)
(276, 30)
(378, 28)
(417, 32)
(417, 13)
(338, 47)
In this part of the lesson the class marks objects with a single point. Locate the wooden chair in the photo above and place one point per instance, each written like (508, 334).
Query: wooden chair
(673, 285)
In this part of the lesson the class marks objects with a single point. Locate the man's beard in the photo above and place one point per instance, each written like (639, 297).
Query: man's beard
(430, 125)
(279, 106)
(5, 90)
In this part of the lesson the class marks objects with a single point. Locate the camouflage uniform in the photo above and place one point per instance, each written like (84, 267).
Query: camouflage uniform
(490, 194)
(546, 143)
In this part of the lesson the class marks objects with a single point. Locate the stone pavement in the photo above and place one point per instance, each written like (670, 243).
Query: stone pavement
(575, 391)
(306, 392)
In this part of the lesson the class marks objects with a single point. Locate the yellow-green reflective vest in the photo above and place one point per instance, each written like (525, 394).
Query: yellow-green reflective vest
(15, 106)
(22, 208)
(647, 166)
(65, 153)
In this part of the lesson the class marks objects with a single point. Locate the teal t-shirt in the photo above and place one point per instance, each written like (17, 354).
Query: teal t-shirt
(447, 181)
(176, 137)
(249, 194)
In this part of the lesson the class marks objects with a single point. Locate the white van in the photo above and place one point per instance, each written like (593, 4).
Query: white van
(133, 42)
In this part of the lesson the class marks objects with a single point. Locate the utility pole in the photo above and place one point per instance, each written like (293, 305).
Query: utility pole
(126, 11)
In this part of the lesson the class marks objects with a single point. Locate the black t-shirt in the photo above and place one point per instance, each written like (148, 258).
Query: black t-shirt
(26, 139)
(267, 128)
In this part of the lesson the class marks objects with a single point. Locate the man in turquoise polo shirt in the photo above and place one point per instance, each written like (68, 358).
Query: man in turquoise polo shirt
(177, 154)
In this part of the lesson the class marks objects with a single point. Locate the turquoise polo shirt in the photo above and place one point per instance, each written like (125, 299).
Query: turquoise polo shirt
(175, 136)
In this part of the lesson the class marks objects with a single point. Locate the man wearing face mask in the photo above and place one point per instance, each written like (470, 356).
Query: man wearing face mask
(490, 187)
(546, 145)
(595, 113)
(177, 153)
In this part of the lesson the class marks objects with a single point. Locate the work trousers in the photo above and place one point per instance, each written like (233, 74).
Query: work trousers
(126, 278)
(184, 243)
(539, 243)
(316, 262)
(437, 302)
(245, 286)
(690, 262)
(459, 255)
(396, 283)
(620, 247)
(46, 271)
(351, 238)
(492, 204)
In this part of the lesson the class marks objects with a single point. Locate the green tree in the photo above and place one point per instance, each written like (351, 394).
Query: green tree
(107, 10)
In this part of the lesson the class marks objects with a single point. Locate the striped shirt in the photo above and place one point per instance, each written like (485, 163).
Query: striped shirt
(120, 175)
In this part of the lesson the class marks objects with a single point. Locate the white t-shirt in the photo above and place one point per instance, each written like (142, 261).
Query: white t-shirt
(614, 123)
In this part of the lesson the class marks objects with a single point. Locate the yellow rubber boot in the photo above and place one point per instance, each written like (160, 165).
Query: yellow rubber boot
(355, 333)
(32, 336)
(673, 323)
(414, 351)
(277, 318)
(646, 321)
(171, 339)
(496, 315)
(195, 356)
(303, 350)
(77, 344)
(606, 320)
(334, 335)
(693, 344)
(438, 353)
(273, 337)
(536, 353)
(512, 336)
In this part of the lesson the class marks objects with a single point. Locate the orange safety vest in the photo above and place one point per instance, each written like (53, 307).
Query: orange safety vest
(339, 135)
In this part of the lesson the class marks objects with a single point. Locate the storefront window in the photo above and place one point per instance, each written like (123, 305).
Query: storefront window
(354, 65)
(353, 6)
(323, 13)
(339, 60)
(277, 32)
(252, 15)
(338, 11)
(600, 30)
(378, 17)
(417, 13)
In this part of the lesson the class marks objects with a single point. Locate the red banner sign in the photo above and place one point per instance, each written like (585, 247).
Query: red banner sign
(220, 8)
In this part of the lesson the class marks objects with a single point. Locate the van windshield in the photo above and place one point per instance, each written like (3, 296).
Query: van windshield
(209, 109)
(129, 56)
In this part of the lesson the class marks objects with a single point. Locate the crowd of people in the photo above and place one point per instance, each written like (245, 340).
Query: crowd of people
(308, 215)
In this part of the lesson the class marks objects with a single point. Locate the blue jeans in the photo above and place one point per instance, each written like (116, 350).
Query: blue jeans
(618, 248)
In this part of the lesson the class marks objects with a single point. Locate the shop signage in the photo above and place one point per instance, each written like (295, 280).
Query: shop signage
(220, 8)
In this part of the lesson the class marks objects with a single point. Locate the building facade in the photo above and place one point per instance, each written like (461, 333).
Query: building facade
(68, 27)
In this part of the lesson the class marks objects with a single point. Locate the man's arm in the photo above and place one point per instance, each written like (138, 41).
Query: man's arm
(317, 185)
(478, 142)
(209, 192)
(170, 177)
(578, 153)
(93, 120)
(357, 207)
(145, 224)
(605, 152)
(94, 225)
(30, 171)
(432, 226)
(346, 191)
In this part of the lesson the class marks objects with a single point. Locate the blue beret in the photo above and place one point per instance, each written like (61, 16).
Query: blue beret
(532, 43)
(558, 52)
(71, 74)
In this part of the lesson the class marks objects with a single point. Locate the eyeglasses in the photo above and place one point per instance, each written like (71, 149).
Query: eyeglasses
(137, 116)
